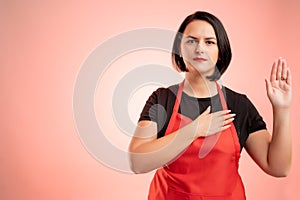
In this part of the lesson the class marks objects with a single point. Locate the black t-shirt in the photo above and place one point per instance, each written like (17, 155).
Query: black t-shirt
(159, 108)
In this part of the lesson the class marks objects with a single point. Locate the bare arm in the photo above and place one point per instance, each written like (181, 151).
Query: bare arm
(274, 153)
(148, 153)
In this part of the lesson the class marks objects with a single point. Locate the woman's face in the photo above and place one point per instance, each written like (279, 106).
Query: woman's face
(199, 47)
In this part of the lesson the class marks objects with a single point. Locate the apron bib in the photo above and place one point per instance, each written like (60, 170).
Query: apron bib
(206, 170)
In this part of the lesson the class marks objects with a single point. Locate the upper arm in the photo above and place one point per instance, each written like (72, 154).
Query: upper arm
(150, 121)
(146, 131)
(257, 146)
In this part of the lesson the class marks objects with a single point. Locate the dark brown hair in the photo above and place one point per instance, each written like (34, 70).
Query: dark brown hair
(222, 42)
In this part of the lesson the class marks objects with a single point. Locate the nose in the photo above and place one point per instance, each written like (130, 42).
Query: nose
(200, 48)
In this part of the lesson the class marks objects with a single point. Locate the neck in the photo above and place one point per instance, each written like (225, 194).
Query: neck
(199, 86)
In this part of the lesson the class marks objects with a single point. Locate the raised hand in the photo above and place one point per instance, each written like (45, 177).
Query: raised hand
(279, 87)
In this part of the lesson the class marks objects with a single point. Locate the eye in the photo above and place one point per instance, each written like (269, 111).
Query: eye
(210, 42)
(191, 41)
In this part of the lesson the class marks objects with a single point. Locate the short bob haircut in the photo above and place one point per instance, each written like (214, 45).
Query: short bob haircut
(222, 42)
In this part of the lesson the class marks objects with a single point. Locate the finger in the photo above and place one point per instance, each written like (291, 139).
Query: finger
(288, 76)
(228, 116)
(220, 113)
(228, 121)
(217, 129)
(225, 127)
(221, 121)
(284, 70)
(273, 72)
(207, 111)
(268, 86)
(279, 69)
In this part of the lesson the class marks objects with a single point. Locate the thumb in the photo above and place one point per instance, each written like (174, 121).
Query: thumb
(207, 111)
(268, 86)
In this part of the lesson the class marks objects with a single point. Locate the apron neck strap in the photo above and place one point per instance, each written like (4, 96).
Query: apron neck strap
(222, 97)
(178, 97)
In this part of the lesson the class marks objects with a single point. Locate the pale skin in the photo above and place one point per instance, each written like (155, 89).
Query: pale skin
(274, 153)
(271, 153)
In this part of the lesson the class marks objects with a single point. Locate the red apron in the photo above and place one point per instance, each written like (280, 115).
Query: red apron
(206, 170)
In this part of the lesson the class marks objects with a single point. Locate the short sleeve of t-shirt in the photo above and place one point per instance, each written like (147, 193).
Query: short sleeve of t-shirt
(247, 119)
(148, 112)
(159, 108)
(255, 120)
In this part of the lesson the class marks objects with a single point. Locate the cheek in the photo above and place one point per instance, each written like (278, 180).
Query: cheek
(215, 55)
(186, 51)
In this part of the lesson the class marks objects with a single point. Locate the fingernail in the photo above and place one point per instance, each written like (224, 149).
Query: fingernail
(233, 114)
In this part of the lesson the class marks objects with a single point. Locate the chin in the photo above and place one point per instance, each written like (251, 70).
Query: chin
(203, 70)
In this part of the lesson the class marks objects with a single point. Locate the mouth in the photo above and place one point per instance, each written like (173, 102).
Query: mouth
(199, 59)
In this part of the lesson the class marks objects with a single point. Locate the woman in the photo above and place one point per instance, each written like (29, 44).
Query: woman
(196, 143)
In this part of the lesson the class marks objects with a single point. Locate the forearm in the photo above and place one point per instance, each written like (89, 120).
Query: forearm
(280, 148)
(156, 153)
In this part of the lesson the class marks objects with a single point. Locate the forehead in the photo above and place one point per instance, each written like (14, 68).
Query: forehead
(199, 28)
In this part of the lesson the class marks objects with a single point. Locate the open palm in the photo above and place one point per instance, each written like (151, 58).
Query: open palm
(279, 87)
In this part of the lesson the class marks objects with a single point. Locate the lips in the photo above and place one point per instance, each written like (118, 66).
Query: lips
(199, 59)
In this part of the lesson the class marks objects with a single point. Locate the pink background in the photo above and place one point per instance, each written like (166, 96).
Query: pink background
(43, 45)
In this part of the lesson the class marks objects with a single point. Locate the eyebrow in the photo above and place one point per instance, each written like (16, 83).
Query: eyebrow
(195, 38)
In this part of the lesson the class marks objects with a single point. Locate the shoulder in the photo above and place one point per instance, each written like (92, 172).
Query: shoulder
(235, 96)
(238, 100)
(163, 95)
(165, 92)
(242, 105)
(233, 93)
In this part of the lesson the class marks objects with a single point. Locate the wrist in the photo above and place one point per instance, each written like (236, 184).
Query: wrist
(195, 129)
(281, 110)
